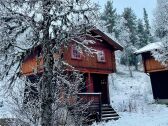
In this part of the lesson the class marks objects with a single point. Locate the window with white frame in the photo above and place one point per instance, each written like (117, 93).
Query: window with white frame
(101, 56)
(75, 54)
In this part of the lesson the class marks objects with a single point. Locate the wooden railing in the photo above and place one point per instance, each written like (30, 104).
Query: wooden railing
(94, 101)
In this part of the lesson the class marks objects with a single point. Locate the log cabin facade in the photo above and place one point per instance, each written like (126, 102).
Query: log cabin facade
(95, 68)
(158, 73)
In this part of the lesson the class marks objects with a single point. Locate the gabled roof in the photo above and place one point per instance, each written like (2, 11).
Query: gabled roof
(149, 47)
(104, 36)
(107, 38)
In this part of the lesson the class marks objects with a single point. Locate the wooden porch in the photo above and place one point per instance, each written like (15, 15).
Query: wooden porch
(97, 110)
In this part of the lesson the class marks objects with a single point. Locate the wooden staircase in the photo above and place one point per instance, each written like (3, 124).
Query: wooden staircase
(96, 110)
(108, 113)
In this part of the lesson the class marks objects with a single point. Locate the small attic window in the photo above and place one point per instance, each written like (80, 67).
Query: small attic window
(75, 54)
(101, 56)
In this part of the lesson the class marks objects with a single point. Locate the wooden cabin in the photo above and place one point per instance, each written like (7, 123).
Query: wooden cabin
(96, 67)
(158, 73)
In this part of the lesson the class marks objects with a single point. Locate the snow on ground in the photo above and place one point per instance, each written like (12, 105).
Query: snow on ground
(132, 99)
(159, 117)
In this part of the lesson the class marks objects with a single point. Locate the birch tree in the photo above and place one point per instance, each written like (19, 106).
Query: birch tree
(25, 24)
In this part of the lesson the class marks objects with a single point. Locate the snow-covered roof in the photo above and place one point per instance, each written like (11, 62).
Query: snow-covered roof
(149, 47)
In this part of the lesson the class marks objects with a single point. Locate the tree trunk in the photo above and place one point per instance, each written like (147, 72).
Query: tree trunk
(129, 67)
(48, 61)
(136, 63)
(46, 88)
(130, 71)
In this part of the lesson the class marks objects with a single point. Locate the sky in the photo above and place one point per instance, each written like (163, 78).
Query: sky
(136, 5)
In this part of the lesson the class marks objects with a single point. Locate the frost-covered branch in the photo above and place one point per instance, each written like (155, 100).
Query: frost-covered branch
(50, 24)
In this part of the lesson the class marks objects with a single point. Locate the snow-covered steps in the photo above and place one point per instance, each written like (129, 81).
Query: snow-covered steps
(108, 113)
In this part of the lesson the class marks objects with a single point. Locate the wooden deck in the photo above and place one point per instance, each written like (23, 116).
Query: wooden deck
(97, 110)
(94, 102)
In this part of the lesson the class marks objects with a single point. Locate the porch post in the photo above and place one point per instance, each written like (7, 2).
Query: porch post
(90, 83)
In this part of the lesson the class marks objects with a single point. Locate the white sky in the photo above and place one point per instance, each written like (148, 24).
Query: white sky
(136, 5)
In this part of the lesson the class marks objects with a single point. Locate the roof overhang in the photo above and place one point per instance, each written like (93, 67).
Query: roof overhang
(107, 38)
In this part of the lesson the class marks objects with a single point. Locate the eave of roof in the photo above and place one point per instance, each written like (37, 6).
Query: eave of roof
(108, 39)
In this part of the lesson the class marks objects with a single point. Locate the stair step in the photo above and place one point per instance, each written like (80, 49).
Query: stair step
(109, 115)
(110, 118)
(107, 108)
(108, 111)
(104, 113)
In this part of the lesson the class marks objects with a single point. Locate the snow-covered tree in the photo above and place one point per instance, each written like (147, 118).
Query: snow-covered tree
(143, 37)
(124, 39)
(129, 24)
(25, 24)
(141, 34)
(161, 30)
(161, 54)
(109, 16)
(147, 28)
(161, 18)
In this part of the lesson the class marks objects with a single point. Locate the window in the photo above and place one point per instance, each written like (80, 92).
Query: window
(100, 56)
(75, 54)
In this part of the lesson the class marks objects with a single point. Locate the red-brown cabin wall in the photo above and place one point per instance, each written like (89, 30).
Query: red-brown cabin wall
(29, 65)
(32, 65)
(150, 64)
(89, 63)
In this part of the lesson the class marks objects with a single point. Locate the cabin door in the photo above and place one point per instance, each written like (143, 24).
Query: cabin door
(101, 85)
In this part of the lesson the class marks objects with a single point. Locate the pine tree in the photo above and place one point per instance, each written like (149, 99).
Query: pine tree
(148, 36)
(141, 34)
(130, 24)
(109, 16)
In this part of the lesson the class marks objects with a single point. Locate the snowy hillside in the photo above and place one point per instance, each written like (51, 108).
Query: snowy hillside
(132, 99)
